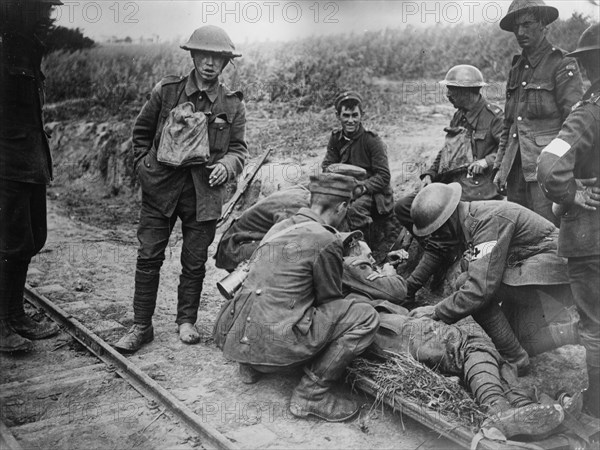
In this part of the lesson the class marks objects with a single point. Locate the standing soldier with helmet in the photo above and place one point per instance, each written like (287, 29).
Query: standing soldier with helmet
(25, 165)
(543, 84)
(188, 140)
(467, 157)
(569, 173)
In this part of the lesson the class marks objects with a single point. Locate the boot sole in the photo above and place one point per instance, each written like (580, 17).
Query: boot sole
(298, 412)
(24, 348)
(529, 420)
(38, 336)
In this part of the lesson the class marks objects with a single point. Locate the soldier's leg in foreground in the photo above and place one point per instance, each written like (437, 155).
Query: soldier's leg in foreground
(494, 323)
(520, 416)
(351, 333)
(22, 235)
(197, 237)
(153, 234)
(542, 317)
(584, 273)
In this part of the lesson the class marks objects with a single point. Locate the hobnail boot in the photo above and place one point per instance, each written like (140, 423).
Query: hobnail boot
(532, 420)
(11, 341)
(30, 329)
(137, 336)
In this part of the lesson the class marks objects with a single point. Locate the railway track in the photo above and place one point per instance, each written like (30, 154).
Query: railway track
(78, 384)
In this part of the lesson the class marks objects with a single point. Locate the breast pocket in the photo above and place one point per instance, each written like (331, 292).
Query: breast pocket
(540, 100)
(21, 86)
(479, 147)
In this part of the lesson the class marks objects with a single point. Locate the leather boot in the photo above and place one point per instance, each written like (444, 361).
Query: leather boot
(532, 420)
(312, 396)
(591, 396)
(30, 329)
(137, 336)
(11, 341)
(495, 324)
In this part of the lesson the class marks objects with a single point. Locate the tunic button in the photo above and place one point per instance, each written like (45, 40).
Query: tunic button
(515, 135)
(524, 83)
(248, 319)
(258, 291)
(232, 312)
(519, 118)
(527, 66)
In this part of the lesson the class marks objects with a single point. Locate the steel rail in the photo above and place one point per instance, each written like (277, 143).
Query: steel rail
(129, 371)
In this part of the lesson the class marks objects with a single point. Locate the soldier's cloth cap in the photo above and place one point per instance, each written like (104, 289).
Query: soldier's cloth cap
(332, 184)
(349, 238)
(348, 169)
(347, 95)
(520, 7)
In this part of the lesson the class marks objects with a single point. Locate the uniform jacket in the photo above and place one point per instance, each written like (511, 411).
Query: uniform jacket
(357, 269)
(540, 92)
(161, 184)
(270, 320)
(242, 238)
(484, 122)
(499, 236)
(24, 151)
(368, 151)
(575, 153)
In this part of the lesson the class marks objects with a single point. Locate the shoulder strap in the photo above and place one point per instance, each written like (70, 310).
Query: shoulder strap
(285, 231)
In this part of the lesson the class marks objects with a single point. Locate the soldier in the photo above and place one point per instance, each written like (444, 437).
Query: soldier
(182, 183)
(467, 158)
(463, 350)
(568, 172)
(25, 165)
(245, 233)
(511, 258)
(543, 84)
(353, 145)
(290, 310)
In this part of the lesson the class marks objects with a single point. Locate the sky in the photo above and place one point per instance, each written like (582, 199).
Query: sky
(249, 21)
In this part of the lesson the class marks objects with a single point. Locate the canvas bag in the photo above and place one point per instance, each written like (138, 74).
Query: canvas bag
(457, 152)
(184, 138)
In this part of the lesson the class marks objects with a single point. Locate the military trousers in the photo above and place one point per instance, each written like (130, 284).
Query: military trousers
(584, 274)
(23, 231)
(153, 234)
(528, 193)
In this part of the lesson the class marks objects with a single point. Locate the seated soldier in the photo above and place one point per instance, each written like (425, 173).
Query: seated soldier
(353, 145)
(467, 157)
(290, 310)
(465, 351)
(245, 233)
(512, 259)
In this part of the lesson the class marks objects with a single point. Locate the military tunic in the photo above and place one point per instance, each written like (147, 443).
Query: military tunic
(387, 287)
(242, 238)
(364, 149)
(575, 154)
(540, 91)
(291, 304)
(484, 126)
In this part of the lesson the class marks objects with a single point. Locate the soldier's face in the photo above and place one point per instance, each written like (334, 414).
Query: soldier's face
(350, 119)
(208, 65)
(590, 62)
(529, 31)
(459, 97)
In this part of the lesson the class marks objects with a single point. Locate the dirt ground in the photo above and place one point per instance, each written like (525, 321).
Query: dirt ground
(88, 267)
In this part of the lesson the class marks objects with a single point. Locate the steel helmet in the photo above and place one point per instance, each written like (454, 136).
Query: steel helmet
(589, 41)
(464, 75)
(518, 7)
(433, 206)
(210, 38)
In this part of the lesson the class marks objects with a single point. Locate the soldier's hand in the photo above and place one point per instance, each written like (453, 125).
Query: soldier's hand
(425, 181)
(423, 311)
(359, 191)
(374, 275)
(477, 167)
(499, 182)
(218, 174)
(397, 256)
(587, 195)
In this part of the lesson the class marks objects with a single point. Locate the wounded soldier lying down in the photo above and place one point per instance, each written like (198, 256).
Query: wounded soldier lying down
(465, 351)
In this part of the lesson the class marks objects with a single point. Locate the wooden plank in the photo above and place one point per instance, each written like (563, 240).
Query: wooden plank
(426, 416)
